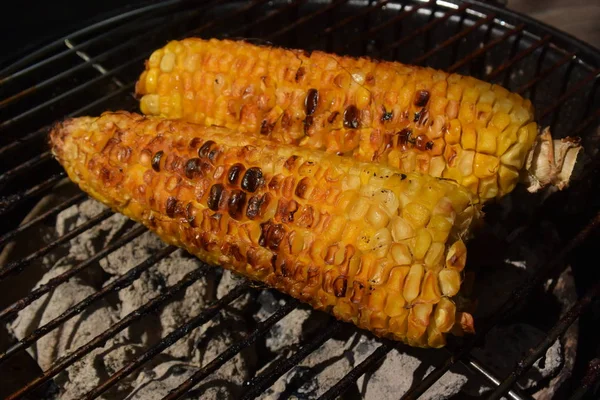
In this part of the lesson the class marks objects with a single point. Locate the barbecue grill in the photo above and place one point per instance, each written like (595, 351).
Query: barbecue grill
(94, 69)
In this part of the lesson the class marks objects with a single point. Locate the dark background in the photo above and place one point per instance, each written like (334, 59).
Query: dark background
(26, 24)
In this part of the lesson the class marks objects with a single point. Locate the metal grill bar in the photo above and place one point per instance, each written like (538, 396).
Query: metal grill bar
(541, 348)
(586, 122)
(305, 19)
(18, 265)
(267, 17)
(218, 361)
(73, 91)
(118, 284)
(71, 50)
(239, 11)
(259, 383)
(465, 32)
(402, 15)
(202, 318)
(503, 311)
(53, 283)
(42, 217)
(64, 362)
(367, 364)
(518, 57)
(365, 11)
(589, 380)
(514, 393)
(487, 47)
(578, 87)
(425, 28)
(107, 22)
(8, 203)
(542, 75)
(69, 72)
(32, 162)
(18, 142)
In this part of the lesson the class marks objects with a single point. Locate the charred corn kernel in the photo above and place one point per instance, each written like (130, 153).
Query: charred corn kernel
(400, 115)
(260, 209)
(449, 282)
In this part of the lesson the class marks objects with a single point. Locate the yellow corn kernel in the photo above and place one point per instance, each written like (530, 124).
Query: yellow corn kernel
(412, 284)
(486, 140)
(435, 256)
(416, 214)
(457, 256)
(485, 165)
(468, 140)
(449, 282)
(422, 244)
(401, 254)
(507, 178)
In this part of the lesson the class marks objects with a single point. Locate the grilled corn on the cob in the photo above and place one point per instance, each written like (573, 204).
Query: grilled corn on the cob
(365, 242)
(411, 118)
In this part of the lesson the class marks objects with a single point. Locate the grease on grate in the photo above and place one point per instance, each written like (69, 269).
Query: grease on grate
(312, 377)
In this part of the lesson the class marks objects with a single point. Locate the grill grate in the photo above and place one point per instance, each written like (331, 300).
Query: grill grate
(95, 69)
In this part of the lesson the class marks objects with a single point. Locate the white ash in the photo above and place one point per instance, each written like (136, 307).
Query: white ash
(311, 378)
(188, 354)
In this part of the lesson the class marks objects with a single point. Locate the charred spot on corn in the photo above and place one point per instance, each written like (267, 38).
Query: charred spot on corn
(311, 101)
(302, 188)
(256, 204)
(300, 73)
(171, 206)
(340, 284)
(404, 137)
(195, 142)
(386, 116)
(266, 127)
(308, 121)
(332, 117)
(234, 173)
(422, 143)
(290, 162)
(214, 196)
(286, 210)
(236, 204)
(252, 180)
(189, 215)
(194, 168)
(271, 235)
(204, 150)
(156, 160)
(421, 98)
(351, 115)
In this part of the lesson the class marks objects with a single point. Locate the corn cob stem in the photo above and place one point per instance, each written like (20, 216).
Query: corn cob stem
(365, 242)
(411, 118)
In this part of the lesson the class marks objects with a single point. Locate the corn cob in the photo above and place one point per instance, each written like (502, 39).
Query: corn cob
(411, 118)
(365, 242)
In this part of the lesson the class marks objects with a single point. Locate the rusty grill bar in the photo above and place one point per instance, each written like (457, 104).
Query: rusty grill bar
(553, 55)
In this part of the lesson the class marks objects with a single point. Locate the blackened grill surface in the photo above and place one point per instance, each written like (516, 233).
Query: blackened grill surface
(94, 70)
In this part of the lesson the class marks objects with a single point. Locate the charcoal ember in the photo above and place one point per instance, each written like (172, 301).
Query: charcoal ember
(200, 346)
(75, 332)
(324, 367)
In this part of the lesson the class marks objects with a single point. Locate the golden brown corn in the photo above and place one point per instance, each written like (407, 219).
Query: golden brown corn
(365, 242)
(411, 118)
